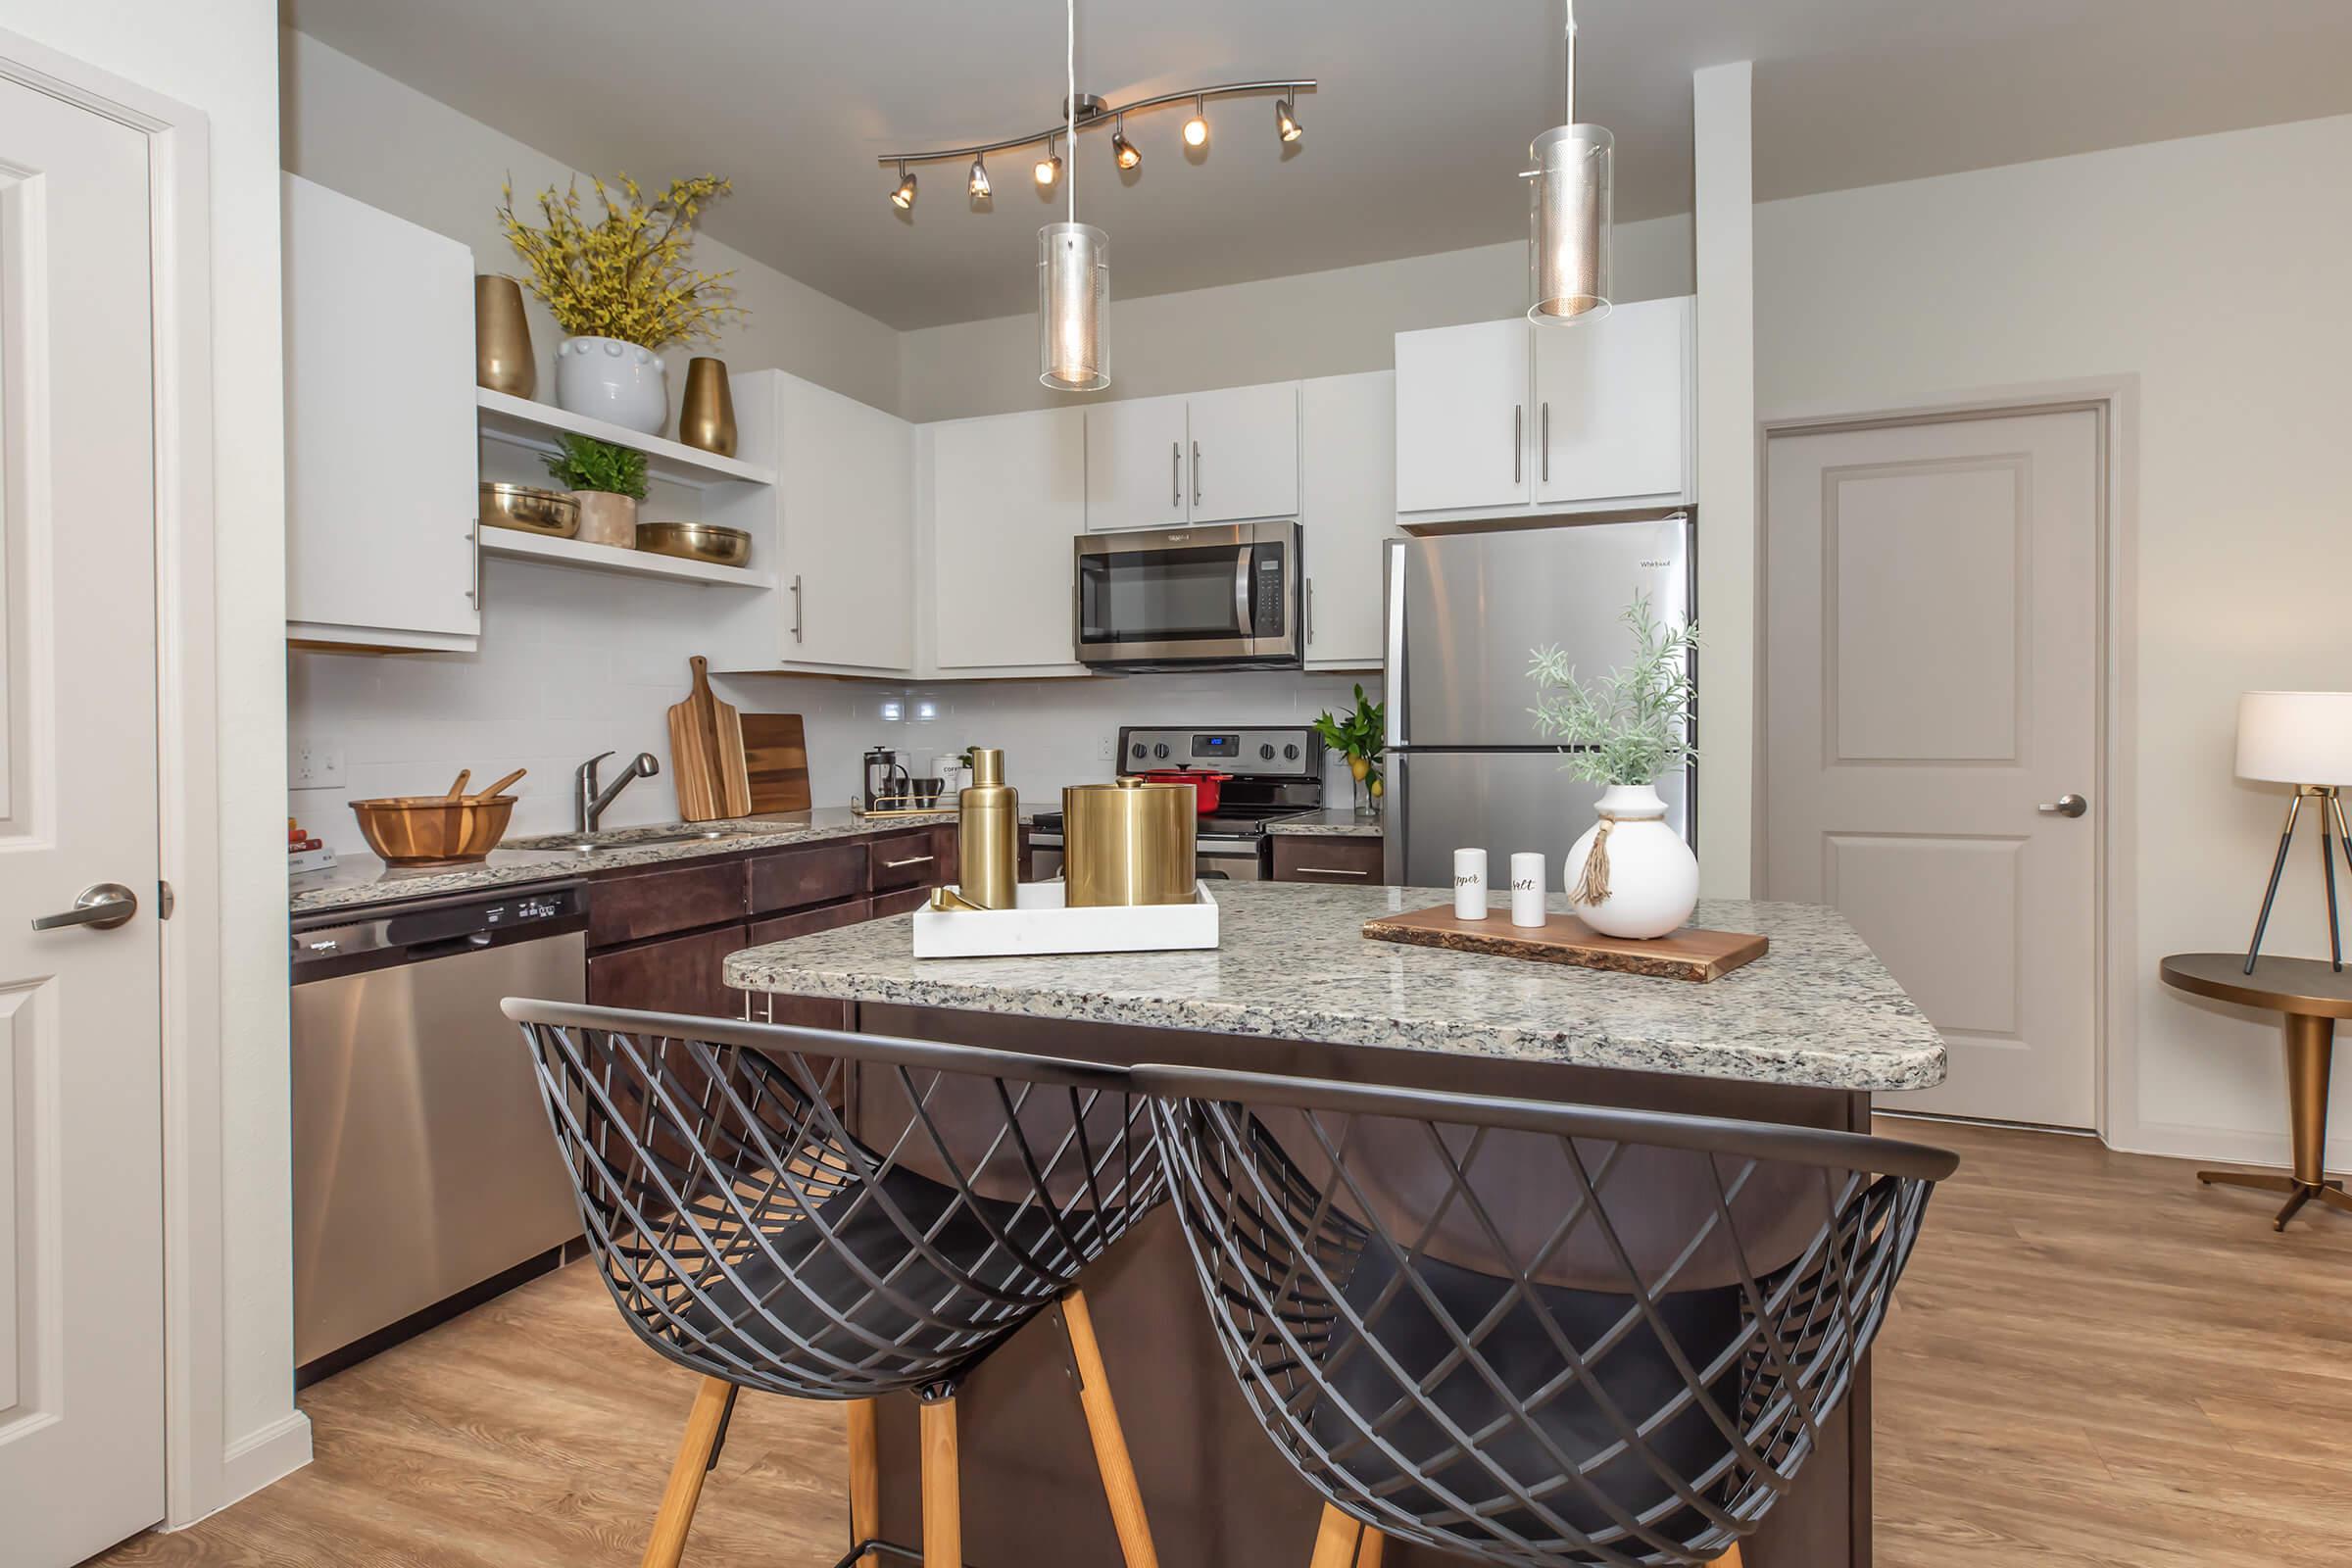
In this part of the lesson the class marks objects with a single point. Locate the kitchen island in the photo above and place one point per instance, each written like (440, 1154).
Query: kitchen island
(1804, 1036)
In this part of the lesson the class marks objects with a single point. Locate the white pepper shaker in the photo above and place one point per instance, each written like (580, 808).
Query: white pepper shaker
(1527, 888)
(1470, 884)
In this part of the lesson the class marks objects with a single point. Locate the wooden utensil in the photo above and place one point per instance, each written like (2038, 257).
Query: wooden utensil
(706, 753)
(1687, 955)
(498, 787)
(776, 760)
(457, 791)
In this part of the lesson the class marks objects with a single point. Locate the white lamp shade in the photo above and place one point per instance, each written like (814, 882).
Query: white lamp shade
(2295, 737)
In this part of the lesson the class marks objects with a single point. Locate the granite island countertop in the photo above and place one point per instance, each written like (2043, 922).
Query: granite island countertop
(363, 879)
(1342, 823)
(1818, 1010)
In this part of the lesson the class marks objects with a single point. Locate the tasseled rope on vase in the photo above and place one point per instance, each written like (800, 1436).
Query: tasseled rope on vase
(1593, 884)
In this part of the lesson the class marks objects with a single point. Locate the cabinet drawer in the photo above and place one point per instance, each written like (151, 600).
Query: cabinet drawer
(906, 860)
(654, 904)
(1319, 857)
(901, 902)
(784, 927)
(798, 878)
(680, 975)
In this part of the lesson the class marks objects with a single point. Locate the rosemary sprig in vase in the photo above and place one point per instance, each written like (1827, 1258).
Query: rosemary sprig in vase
(1631, 875)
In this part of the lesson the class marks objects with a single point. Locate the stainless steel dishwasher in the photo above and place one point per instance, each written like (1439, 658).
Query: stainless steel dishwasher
(425, 1176)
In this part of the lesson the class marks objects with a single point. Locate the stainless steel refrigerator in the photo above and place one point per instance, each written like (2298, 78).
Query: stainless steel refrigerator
(1466, 766)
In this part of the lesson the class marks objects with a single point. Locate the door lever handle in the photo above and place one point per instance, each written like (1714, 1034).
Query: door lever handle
(102, 907)
(2064, 805)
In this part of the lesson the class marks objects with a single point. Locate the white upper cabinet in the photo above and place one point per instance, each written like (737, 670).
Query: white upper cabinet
(846, 483)
(1136, 465)
(380, 449)
(1505, 417)
(1008, 495)
(1347, 511)
(1461, 418)
(1614, 406)
(1242, 461)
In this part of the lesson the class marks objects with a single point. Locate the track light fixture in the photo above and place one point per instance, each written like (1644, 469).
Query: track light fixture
(1125, 152)
(1048, 168)
(1196, 130)
(1286, 121)
(903, 197)
(980, 187)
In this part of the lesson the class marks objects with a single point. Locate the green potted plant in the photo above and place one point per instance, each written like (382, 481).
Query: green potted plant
(608, 481)
(1631, 875)
(623, 287)
(1357, 738)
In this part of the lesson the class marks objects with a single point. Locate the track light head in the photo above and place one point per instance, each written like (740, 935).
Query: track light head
(1048, 168)
(1196, 130)
(903, 197)
(980, 187)
(1128, 155)
(1286, 121)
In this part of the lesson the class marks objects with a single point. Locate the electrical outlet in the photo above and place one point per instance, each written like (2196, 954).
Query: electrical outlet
(1106, 749)
(314, 765)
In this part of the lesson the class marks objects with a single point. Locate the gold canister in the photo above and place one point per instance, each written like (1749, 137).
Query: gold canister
(502, 338)
(706, 414)
(988, 834)
(1127, 843)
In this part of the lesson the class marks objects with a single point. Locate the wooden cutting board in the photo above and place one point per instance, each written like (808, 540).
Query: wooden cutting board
(706, 753)
(1687, 955)
(776, 754)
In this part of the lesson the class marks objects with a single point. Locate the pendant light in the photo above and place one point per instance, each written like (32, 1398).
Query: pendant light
(1073, 275)
(1568, 219)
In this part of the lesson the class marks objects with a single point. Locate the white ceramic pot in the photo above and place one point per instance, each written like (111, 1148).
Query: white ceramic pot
(1651, 877)
(606, 378)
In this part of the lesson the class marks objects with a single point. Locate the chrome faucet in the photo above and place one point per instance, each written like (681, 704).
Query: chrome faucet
(589, 803)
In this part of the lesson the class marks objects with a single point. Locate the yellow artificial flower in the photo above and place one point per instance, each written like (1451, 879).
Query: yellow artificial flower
(627, 276)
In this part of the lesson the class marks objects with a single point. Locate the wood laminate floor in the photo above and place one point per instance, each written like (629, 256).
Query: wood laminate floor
(2093, 1361)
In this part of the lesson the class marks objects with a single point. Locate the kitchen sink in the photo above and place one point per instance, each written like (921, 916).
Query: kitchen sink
(580, 844)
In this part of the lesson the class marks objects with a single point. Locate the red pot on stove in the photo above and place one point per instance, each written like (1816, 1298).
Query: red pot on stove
(1208, 787)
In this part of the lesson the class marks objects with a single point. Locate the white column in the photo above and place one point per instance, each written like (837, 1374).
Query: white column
(1724, 227)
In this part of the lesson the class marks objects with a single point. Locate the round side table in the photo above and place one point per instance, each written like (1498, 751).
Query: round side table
(2310, 995)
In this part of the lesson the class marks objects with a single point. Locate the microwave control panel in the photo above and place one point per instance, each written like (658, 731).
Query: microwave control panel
(1266, 608)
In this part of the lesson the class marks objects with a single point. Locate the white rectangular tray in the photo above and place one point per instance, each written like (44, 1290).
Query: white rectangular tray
(1040, 923)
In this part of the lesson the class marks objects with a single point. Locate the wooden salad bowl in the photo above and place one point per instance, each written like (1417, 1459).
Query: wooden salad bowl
(453, 829)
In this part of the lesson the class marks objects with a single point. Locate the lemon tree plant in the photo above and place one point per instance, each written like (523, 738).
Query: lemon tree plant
(1356, 736)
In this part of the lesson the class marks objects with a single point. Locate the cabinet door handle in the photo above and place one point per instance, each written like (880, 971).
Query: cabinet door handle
(1196, 473)
(1329, 871)
(911, 860)
(1175, 473)
(474, 595)
(1543, 425)
(1518, 443)
(795, 610)
(1307, 631)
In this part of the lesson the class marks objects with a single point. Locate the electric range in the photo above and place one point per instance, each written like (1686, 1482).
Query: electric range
(1276, 771)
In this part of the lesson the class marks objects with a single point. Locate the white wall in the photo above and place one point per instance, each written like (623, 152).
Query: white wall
(1277, 329)
(2213, 270)
(222, 58)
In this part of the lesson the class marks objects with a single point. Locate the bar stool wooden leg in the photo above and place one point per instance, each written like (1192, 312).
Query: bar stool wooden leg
(703, 1424)
(942, 1493)
(1368, 1550)
(1337, 1539)
(1119, 1486)
(1731, 1559)
(866, 1474)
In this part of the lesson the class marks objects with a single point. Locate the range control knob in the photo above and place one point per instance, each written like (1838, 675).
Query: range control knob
(1289, 753)
(1161, 751)
(1267, 752)
(1136, 750)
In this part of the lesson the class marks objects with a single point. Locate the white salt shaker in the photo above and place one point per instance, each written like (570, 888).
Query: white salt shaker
(1527, 888)
(1469, 884)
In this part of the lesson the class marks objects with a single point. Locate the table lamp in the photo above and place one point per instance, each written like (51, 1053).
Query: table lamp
(2303, 739)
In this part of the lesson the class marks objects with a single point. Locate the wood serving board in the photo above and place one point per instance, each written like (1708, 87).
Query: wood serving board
(775, 748)
(706, 753)
(1687, 955)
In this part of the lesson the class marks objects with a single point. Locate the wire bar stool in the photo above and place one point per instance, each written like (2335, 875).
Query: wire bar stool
(839, 1216)
(1534, 1333)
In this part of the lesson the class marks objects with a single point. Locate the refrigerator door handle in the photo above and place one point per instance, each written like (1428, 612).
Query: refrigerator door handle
(1395, 824)
(1392, 670)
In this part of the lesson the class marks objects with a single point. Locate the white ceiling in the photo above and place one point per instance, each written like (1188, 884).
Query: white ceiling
(1413, 144)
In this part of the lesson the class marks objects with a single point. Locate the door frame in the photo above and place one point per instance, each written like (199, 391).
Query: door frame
(2115, 402)
(202, 1472)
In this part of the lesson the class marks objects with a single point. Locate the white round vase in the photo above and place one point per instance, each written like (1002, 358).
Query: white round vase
(606, 378)
(1649, 880)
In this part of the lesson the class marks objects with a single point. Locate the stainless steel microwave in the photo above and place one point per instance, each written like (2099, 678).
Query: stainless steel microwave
(1224, 597)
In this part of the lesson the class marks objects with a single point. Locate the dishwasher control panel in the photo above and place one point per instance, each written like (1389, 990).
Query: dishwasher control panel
(433, 928)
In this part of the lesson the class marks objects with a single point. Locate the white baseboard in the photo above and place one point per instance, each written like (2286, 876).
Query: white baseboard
(2219, 1146)
(258, 1459)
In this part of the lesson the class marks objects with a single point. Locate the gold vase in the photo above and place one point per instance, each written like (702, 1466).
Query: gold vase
(502, 338)
(707, 416)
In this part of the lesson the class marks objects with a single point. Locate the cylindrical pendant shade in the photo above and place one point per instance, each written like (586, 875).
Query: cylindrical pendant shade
(2295, 737)
(1568, 235)
(1073, 306)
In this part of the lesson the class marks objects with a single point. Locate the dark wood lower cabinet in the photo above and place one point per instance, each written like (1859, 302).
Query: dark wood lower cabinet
(1328, 858)
(815, 1013)
(677, 974)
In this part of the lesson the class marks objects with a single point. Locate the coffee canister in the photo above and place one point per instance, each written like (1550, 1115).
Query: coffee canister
(1127, 843)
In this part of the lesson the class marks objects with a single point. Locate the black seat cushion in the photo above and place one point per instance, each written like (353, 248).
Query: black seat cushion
(1636, 1373)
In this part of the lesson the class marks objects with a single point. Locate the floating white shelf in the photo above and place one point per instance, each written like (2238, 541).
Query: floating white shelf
(519, 421)
(516, 545)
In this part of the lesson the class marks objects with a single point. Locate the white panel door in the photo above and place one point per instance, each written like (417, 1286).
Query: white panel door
(1009, 498)
(81, 1373)
(1244, 457)
(1462, 434)
(847, 484)
(1614, 406)
(1933, 685)
(1347, 511)
(1137, 464)
(381, 444)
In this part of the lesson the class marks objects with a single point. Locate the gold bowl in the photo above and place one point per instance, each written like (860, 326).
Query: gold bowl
(696, 541)
(530, 510)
